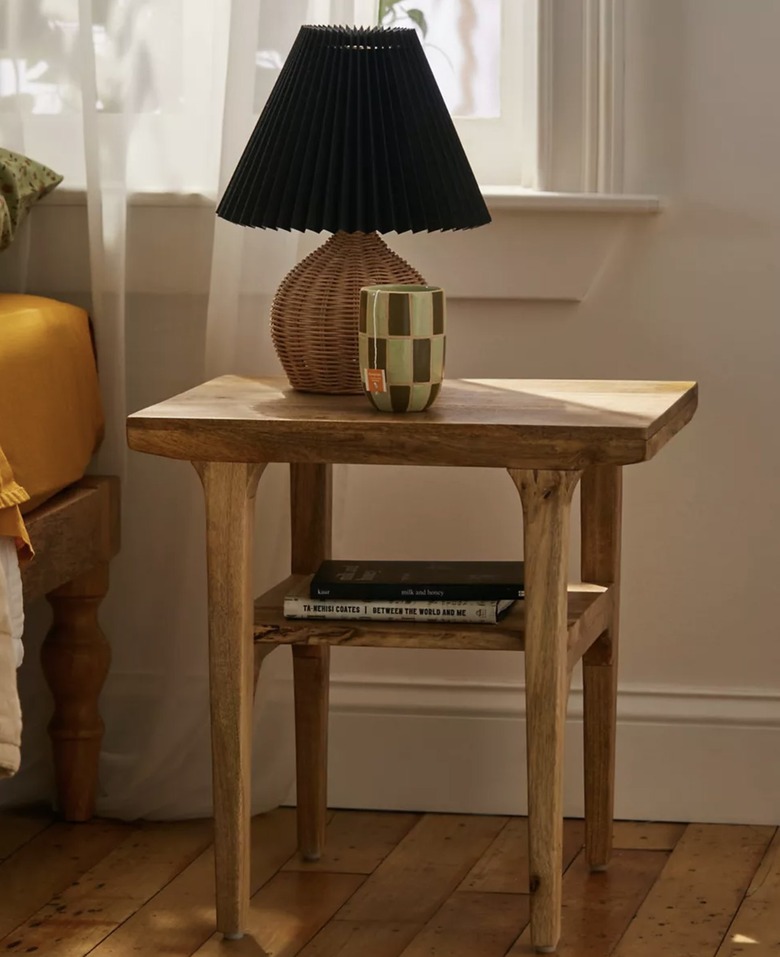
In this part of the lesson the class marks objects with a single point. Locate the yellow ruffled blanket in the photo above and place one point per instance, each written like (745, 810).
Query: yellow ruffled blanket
(12, 495)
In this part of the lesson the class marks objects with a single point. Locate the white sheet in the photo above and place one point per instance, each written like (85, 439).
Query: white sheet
(9, 567)
(11, 626)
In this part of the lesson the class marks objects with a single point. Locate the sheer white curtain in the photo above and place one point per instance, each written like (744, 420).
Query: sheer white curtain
(129, 97)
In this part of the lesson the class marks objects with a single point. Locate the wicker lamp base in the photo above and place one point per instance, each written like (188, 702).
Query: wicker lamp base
(315, 312)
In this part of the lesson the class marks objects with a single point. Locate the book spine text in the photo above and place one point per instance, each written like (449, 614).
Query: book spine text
(476, 612)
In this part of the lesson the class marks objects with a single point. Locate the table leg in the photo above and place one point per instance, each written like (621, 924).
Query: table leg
(601, 497)
(311, 517)
(229, 490)
(311, 508)
(546, 497)
(311, 667)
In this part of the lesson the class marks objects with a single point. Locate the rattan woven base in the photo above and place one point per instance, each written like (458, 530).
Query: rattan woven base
(315, 312)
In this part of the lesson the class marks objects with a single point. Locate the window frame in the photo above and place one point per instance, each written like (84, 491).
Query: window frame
(581, 95)
(561, 127)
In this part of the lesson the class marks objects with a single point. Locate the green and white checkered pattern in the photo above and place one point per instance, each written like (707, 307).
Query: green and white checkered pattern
(402, 334)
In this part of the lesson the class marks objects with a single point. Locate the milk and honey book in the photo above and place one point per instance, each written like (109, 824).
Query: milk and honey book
(412, 581)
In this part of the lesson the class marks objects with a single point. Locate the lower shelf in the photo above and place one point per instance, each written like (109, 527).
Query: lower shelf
(589, 610)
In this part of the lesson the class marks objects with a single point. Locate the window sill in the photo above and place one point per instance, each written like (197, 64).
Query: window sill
(515, 198)
(539, 246)
(65, 196)
(498, 198)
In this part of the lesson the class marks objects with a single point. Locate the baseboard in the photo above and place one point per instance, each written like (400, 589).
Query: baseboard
(404, 744)
(683, 754)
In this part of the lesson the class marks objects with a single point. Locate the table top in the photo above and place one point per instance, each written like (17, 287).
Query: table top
(516, 423)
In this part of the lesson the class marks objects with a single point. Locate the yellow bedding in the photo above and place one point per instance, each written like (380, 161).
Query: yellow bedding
(50, 414)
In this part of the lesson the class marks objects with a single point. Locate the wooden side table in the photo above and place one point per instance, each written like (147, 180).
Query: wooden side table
(549, 435)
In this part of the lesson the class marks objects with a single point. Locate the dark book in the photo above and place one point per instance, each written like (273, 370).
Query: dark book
(433, 581)
(298, 604)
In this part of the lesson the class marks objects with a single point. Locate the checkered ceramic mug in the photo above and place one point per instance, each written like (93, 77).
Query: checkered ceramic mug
(402, 345)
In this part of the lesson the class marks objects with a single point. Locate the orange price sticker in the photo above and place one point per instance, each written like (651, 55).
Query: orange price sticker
(375, 380)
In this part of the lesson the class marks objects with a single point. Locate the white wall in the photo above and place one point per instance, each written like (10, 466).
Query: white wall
(694, 293)
(690, 294)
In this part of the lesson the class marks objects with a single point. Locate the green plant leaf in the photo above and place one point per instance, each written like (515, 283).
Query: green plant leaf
(386, 9)
(419, 19)
(390, 10)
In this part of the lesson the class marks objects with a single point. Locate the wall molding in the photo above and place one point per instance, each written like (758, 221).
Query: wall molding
(480, 699)
(683, 754)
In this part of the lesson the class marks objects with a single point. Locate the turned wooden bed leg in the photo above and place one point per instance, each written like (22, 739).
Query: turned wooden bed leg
(75, 657)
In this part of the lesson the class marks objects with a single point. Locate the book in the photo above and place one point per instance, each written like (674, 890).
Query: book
(428, 581)
(298, 604)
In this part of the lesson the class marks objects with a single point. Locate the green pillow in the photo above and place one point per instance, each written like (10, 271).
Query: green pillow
(22, 182)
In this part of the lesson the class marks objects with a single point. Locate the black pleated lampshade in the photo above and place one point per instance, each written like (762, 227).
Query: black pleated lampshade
(355, 137)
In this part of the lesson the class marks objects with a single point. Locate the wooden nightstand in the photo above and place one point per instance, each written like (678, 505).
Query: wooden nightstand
(549, 435)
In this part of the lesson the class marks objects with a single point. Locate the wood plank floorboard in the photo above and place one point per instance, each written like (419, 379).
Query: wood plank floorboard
(356, 842)
(181, 917)
(343, 938)
(646, 836)
(19, 827)
(389, 885)
(597, 908)
(756, 928)
(424, 869)
(503, 868)
(82, 915)
(690, 908)
(470, 922)
(46, 865)
(286, 913)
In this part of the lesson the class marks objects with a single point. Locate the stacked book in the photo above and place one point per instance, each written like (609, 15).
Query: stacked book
(443, 592)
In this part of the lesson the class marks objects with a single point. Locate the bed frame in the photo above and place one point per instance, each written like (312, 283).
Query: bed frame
(75, 535)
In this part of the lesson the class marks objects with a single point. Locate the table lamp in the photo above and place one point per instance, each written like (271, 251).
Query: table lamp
(355, 139)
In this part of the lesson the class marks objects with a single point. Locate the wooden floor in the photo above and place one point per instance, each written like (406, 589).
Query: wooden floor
(392, 885)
